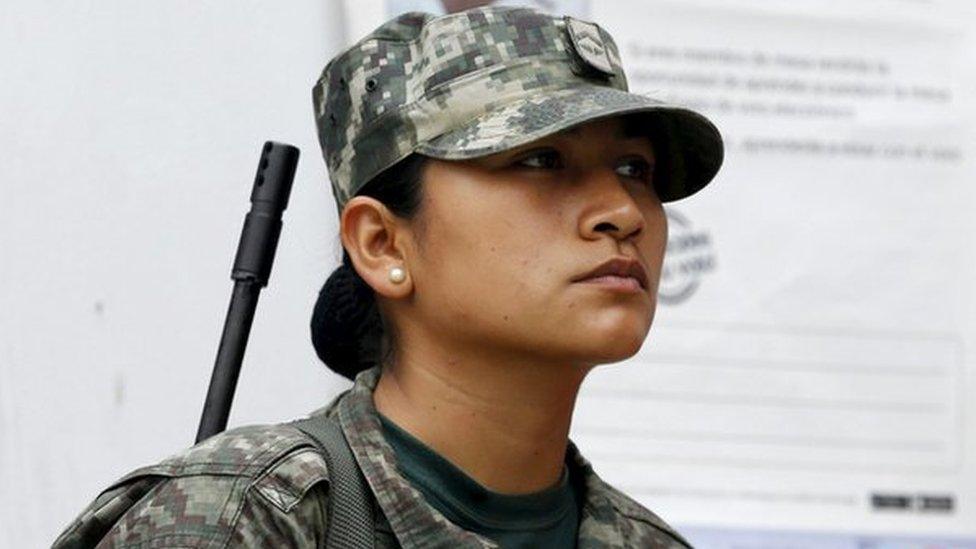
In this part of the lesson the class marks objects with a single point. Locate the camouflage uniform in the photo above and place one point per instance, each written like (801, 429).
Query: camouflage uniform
(265, 486)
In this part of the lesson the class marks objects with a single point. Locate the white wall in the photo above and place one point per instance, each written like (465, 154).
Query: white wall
(130, 137)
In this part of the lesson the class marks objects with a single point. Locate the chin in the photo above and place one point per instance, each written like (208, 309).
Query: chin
(624, 350)
(613, 345)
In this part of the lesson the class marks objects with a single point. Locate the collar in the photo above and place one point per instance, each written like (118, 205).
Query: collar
(417, 524)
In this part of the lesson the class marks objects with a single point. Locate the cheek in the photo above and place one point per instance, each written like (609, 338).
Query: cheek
(487, 261)
(498, 256)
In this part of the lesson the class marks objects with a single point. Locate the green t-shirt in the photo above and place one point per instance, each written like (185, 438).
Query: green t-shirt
(547, 518)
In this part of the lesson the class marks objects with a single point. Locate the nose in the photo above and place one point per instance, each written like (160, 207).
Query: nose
(611, 208)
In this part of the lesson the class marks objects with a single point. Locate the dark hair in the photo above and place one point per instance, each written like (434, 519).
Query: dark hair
(348, 332)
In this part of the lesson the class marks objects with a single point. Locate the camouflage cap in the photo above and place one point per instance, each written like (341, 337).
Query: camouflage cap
(483, 81)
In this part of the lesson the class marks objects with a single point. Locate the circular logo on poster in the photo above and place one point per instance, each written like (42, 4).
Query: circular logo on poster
(689, 255)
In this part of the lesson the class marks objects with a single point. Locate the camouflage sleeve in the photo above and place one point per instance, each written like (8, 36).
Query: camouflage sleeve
(250, 486)
(281, 507)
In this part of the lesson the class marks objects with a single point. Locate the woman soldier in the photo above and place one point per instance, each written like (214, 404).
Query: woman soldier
(500, 198)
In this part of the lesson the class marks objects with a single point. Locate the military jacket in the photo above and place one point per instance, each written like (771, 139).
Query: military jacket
(267, 486)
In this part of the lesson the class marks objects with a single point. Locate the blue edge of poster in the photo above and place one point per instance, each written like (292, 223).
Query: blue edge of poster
(714, 538)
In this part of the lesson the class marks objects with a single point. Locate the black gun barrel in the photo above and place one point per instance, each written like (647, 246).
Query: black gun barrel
(252, 268)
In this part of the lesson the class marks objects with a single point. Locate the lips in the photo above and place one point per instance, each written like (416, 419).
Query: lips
(618, 266)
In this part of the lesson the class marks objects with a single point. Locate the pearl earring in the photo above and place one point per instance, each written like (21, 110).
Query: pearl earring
(397, 275)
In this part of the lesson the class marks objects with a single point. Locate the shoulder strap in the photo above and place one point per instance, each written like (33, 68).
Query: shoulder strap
(350, 500)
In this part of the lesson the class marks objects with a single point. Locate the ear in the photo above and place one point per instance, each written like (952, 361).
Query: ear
(376, 241)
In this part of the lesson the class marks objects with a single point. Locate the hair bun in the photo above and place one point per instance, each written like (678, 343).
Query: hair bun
(346, 327)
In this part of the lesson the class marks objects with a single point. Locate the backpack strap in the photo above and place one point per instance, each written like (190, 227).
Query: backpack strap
(351, 523)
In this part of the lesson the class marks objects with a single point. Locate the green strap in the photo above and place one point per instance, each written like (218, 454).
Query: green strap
(350, 500)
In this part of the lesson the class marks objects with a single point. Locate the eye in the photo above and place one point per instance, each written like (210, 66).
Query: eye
(636, 168)
(543, 159)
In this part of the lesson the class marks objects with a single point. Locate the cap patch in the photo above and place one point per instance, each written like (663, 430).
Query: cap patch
(588, 43)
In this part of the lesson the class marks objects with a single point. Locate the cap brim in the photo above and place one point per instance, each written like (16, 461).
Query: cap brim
(692, 146)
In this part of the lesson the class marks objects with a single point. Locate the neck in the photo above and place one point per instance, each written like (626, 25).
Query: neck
(503, 420)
